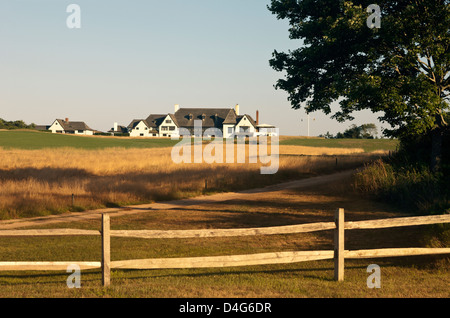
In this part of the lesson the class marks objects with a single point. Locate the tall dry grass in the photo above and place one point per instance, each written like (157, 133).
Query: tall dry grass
(413, 188)
(318, 151)
(41, 182)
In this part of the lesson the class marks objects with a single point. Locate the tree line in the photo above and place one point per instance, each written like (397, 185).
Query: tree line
(365, 131)
(17, 124)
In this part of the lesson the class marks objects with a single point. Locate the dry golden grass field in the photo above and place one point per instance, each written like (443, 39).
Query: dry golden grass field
(42, 181)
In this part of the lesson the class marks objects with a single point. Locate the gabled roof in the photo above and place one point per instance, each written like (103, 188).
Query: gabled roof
(250, 119)
(174, 119)
(186, 117)
(73, 125)
(210, 117)
(230, 119)
(135, 122)
(154, 121)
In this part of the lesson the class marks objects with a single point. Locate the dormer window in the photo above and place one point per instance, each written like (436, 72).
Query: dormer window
(203, 116)
(191, 116)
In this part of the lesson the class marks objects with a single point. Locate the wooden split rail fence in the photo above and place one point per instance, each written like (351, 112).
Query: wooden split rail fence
(339, 254)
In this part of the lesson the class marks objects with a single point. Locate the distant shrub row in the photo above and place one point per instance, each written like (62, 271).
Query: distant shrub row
(116, 134)
(18, 124)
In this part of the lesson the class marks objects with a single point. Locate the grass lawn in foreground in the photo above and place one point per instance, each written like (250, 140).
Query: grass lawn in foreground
(401, 277)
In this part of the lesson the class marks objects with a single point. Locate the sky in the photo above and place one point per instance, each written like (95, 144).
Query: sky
(132, 58)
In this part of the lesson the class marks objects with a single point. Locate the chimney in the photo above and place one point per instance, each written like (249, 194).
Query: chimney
(67, 120)
(237, 109)
(116, 127)
(257, 117)
(177, 108)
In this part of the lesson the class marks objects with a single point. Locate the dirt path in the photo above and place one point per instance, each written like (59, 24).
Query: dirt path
(216, 198)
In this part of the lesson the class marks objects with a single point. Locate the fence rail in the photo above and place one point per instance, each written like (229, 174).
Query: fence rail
(339, 254)
(46, 266)
(224, 261)
(53, 232)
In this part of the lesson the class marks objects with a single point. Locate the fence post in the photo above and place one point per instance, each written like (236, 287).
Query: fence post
(339, 247)
(106, 250)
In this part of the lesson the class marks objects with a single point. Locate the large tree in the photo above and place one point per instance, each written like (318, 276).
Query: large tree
(400, 69)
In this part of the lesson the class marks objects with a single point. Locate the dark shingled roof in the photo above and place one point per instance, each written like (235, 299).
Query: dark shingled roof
(42, 127)
(120, 129)
(154, 121)
(210, 117)
(186, 117)
(134, 123)
(73, 125)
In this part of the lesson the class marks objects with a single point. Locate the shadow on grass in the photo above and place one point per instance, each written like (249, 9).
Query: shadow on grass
(245, 272)
(54, 277)
(415, 262)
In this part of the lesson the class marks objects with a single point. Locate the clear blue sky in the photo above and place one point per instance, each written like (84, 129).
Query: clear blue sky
(136, 57)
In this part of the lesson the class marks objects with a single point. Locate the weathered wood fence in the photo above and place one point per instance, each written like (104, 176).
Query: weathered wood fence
(339, 254)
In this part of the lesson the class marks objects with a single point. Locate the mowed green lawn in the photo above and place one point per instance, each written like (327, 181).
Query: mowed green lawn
(368, 145)
(39, 140)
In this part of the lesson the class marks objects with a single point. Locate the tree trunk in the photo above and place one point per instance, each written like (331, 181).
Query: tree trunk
(436, 149)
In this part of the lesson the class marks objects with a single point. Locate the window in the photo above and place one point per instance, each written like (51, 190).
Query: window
(164, 128)
(137, 128)
(168, 121)
(230, 130)
(172, 128)
(142, 135)
(245, 128)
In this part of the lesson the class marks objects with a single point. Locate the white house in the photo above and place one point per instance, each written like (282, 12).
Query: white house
(153, 126)
(227, 120)
(61, 126)
(139, 128)
(245, 125)
(267, 130)
(169, 127)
